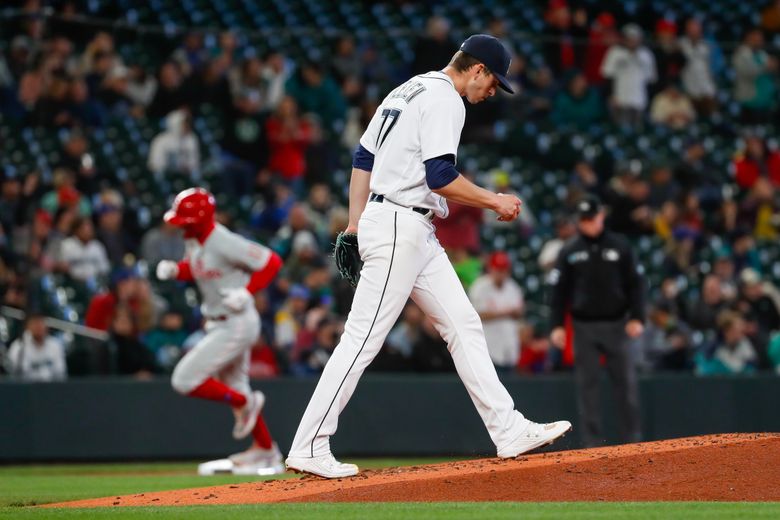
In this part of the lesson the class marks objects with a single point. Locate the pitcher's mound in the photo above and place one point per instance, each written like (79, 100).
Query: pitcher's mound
(732, 467)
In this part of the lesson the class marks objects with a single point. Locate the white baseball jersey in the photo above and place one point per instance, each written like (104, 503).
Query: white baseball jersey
(419, 120)
(224, 261)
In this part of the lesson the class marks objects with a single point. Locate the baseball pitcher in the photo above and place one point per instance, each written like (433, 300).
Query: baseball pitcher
(403, 173)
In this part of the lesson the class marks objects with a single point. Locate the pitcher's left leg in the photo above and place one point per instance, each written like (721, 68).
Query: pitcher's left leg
(440, 295)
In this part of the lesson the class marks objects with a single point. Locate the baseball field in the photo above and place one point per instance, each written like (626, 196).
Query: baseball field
(718, 476)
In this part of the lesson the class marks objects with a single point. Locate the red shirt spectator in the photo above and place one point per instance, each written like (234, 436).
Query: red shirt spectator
(460, 230)
(288, 138)
(756, 161)
(602, 36)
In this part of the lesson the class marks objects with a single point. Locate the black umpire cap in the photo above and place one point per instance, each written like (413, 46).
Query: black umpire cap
(493, 55)
(588, 207)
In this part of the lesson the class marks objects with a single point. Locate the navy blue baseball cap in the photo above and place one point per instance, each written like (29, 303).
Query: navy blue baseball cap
(493, 55)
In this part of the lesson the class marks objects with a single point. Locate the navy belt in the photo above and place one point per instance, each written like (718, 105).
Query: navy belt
(381, 198)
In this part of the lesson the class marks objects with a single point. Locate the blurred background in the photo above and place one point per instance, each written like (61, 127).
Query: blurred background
(109, 108)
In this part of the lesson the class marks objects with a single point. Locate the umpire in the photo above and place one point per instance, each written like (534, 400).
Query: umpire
(596, 280)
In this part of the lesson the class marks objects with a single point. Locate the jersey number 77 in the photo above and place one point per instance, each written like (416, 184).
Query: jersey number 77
(389, 119)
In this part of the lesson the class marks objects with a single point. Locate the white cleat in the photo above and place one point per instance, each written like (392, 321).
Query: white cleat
(325, 466)
(534, 436)
(258, 456)
(258, 461)
(246, 417)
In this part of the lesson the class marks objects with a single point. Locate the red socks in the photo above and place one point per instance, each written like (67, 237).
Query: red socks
(214, 390)
(261, 435)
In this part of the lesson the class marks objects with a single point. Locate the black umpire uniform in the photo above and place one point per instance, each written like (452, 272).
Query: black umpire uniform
(597, 281)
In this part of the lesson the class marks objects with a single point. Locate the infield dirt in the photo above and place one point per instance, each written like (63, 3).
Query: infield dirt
(727, 467)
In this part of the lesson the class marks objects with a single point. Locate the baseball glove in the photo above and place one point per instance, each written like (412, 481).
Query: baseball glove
(347, 257)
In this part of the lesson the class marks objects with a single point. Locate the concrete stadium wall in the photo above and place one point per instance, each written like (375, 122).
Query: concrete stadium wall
(116, 419)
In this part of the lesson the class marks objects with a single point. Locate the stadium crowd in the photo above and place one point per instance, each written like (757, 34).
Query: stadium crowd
(288, 124)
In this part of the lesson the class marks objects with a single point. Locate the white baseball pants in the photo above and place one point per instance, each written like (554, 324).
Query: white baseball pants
(222, 354)
(403, 257)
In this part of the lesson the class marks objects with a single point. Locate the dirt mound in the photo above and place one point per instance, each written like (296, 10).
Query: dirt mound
(733, 467)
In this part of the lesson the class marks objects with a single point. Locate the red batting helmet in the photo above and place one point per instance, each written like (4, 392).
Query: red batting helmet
(191, 206)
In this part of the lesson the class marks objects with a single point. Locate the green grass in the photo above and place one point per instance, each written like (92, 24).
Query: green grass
(22, 486)
(41, 484)
(443, 511)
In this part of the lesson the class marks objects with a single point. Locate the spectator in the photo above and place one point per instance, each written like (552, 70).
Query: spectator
(666, 343)
(541, 93)
(681, 253)
(209, 85)
(702, 313)
(249, 85)
(127, 354)
(669, 57)
(697, 77)
(672, 108)
(695, 172)
(756, 161)
(603, 35)
(406, 332)
(319, 208)
(630, 201)
(666, 220)
(316, 92)
(723, 268)
(276, 72)
(191, 56)
(288, 136)
(743, 250)
(564, 36)
(84, 256)
(663, 186)
(117, 242)
(176, 149)
(141, 86)
(759, 308)
(631, 68)
(82, 110)
(79, 160)
(499, 301)
(169, 95)
(429, 353)
(161, 242)
(565, 229)
(579, 105)
(536, 356)
(774, 352)
(288, 320)
(127, 290)
(461, 228)
(346, 60)
(313, 359)
(757, 210)
(37, 355)
(770, 17)
(754, 87)
(166, 340)
(733, 353)
(244, 148)
(433, 49)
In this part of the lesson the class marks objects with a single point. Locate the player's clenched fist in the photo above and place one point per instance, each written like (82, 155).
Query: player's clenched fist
(167, 270)
(507, 206)
(236, 300)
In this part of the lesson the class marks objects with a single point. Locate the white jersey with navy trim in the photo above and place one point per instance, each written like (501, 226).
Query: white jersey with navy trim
(419, 120)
